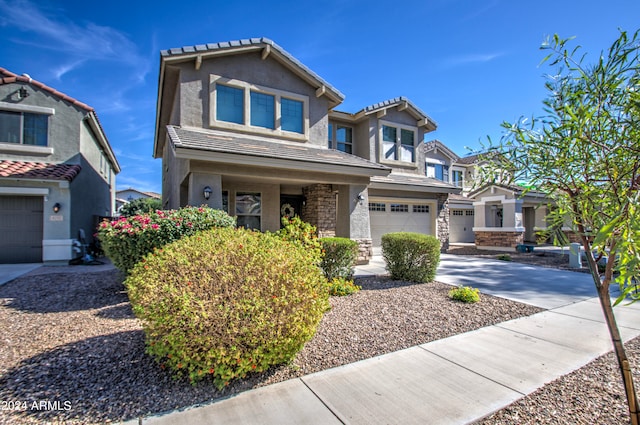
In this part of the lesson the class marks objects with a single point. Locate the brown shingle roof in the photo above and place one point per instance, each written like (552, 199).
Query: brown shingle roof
(38, 170)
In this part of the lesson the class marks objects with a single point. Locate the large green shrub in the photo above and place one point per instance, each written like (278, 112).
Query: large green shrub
(226, 302)
(339, 257)
(126, 240)
(411, 256)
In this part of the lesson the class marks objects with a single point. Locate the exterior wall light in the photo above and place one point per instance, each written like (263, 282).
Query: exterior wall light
(207, 192)
(360, 198)
(56, 207)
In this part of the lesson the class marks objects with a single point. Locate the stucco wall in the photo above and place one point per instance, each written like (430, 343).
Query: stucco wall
(194, 108)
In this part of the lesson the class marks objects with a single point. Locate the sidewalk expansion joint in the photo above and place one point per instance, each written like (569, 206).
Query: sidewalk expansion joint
(473, 371)
(322, 401)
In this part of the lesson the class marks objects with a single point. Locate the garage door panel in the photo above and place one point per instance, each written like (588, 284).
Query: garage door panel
(21, 229)
(461, 226)
(387, 217)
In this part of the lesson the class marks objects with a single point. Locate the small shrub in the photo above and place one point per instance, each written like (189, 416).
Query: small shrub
(226, 302)
(411, 256)
(140, 206)
(340, 286)
(128, 239)
(504, 257)
(297, 231)
(339, 257)
(465, 294)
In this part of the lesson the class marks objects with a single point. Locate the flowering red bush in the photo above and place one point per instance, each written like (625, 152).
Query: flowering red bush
(128, 239)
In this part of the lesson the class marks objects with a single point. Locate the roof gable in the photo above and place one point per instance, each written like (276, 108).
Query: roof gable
(437, 145)
(268, 47)
(8, 77)
(402, 103)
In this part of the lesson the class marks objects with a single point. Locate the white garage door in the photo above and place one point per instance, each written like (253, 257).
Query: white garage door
(461, 226)
(399, 216)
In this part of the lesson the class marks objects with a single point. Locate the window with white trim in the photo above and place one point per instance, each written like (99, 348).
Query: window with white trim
(437, 171)
(457, 177)
(398, 142)
(239, 105)
(248, 210)
(24, 128)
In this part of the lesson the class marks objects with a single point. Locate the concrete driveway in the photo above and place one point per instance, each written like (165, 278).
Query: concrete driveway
(543, 287)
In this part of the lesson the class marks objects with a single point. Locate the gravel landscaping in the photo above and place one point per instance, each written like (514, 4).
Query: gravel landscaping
(70, 339)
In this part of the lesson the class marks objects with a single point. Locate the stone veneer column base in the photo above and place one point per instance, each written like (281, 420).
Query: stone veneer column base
(498, 240)
(365, 251)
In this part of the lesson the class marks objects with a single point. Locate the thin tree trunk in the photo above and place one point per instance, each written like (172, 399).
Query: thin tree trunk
(614, 332)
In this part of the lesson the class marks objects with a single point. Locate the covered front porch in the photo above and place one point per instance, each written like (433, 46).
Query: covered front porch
(505, 217)
(259, 186)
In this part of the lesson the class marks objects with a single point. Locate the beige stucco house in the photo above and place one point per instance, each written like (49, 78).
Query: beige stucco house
(245, 127)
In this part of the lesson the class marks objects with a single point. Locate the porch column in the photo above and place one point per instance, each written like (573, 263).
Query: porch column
(353, 219)
(320, 208)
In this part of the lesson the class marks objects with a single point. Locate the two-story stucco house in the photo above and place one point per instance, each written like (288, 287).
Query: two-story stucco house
(245, 127)
(57, 171)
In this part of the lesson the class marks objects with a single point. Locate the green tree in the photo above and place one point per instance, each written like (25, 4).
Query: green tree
(584, 153)
(140, 206)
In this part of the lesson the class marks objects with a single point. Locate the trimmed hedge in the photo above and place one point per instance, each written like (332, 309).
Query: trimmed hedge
(411, 256)
(226, 302)
(339, 257)
(128, 239)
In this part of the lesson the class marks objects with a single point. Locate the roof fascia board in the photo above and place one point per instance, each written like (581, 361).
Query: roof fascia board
(230, 158)
(102, 140)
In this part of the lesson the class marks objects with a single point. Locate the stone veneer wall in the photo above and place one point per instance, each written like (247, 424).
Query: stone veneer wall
(499, 239)
(320, 208)
(443, 222)
(365, 251)
(573, 237)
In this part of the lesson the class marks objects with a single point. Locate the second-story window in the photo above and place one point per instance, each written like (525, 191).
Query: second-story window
(398, 143)
(24, 128)
(342, 139)
(457, 177)
(438, 171)
(230, 104)
(240, 105)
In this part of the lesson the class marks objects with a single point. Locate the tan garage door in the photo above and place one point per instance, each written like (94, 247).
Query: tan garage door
(21, 229)
(398, 216)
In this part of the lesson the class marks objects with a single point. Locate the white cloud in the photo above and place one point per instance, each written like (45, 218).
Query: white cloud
(454, 61)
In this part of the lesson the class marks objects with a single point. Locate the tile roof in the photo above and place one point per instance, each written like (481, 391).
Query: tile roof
(437, 144)
(247, 43)
(394, 102)
(254, 146)
(8, 77)
(38, 170)
(469, 159)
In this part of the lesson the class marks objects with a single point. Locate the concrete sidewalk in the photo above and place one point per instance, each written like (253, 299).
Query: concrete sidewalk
(451, 381)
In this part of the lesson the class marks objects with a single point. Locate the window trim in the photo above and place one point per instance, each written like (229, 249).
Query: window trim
(247, 88)
(446, 170)
(399, 127)
(247, 192)
(333, 142)
(21, 110)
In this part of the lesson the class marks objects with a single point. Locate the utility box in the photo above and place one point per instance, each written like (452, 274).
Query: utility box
(575, 256)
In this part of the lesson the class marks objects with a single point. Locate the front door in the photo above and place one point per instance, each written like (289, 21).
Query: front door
(290, 206)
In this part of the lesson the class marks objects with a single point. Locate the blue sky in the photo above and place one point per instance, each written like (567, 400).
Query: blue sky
(469, 64)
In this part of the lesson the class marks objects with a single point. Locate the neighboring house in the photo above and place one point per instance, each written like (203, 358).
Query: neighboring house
(127, 195)
(488, 213)
(245, 127)
(57, 171)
